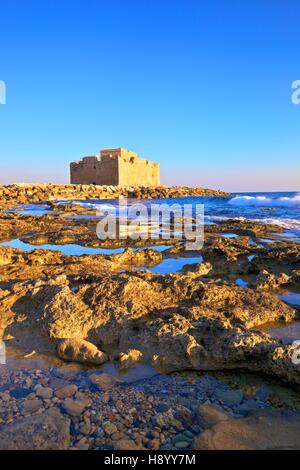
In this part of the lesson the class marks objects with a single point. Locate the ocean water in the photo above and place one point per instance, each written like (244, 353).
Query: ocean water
(279, 208)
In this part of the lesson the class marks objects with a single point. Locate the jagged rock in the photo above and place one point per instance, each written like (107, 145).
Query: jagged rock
(130, 358)
(283, 362)
(249, 227)
(279, 259)
(144, 257)
(200, 269)
(228, 249)
(115, 304)
(266, 280)
(64, 315)
(210, 344)
(176, 321)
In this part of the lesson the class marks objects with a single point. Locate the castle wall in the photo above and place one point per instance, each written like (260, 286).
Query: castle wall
(119, 152)
(136, 171)
(91, 170)
(116, 167)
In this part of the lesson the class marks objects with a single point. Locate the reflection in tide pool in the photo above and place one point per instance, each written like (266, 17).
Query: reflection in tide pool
(291, 332)
(292, 235)
(75, 250)
(291, 298)
(241, 283)
(32, 209)
(172, 265)
(287, 334)
(229, 235)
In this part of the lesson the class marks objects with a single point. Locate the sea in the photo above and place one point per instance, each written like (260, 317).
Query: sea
(279, 208)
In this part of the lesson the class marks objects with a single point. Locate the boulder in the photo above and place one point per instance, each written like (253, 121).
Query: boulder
(45, 431)
(209, 415)
(265, 430)
(81, 351)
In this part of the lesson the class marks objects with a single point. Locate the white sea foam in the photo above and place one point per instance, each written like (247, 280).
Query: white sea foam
(238, 201)
(289, 224)
(263, 201)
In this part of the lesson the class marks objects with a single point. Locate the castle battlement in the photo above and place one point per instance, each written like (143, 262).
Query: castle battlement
(115, 167)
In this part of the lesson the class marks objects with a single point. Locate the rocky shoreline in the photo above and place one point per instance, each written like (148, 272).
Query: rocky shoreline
(29, 193)
(89, 311)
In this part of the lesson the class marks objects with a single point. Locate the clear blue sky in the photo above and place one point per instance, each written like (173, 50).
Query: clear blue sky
(203, 87)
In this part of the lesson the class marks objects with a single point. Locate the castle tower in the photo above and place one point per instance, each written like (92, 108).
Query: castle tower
(115, 167)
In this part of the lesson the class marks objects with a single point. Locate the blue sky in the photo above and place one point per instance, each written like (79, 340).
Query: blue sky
(202, 87)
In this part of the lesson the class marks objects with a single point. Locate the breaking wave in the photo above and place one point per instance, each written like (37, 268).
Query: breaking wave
(264, 201)
(284, 210)
(289, 224)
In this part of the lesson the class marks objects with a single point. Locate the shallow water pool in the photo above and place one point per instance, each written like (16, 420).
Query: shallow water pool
(173, 265)
(74, 249)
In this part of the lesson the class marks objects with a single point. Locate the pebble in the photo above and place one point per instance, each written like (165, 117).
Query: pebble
(44, 392)
(83, 444)
(110, 428)
(182, 444)
(161, 407)
(73, 407)
(31, 406)
(154, 444)
(66, 392)
(103, 381)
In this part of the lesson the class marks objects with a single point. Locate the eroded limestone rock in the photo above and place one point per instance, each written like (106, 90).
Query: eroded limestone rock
(130, 358)
(266, 280)
(176, 321)
(81, 351)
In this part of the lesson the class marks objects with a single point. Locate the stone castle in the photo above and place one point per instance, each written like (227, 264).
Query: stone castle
(115, 167)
